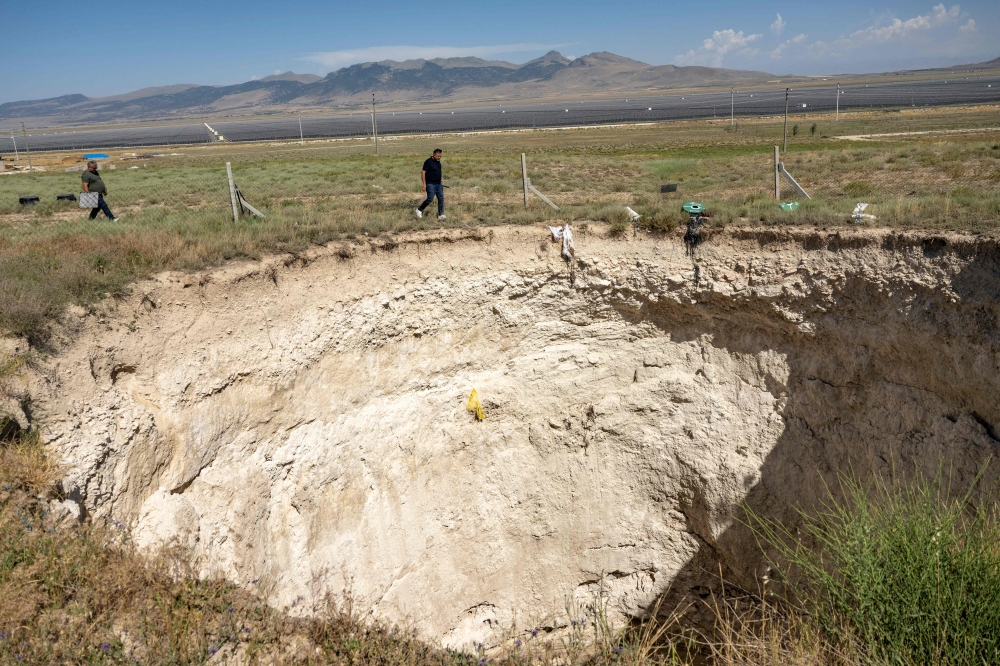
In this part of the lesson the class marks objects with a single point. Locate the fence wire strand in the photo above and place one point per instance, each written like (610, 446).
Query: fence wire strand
(311, 186)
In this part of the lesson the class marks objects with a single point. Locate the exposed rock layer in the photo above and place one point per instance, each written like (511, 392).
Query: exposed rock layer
(299, 425)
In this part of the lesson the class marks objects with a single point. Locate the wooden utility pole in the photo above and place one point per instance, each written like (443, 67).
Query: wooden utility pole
(732, 107)
(838, 102)
(301, 140)
(785, 149)
(16, 156)
(374, 126)
(27, 149)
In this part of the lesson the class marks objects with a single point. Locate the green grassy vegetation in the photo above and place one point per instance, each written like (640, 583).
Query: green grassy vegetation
(901, 575)
(177, 215)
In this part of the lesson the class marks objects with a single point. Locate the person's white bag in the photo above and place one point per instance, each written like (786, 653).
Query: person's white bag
(88, 199)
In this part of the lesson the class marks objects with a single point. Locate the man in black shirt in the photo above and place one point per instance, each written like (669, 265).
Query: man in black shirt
(430, 179)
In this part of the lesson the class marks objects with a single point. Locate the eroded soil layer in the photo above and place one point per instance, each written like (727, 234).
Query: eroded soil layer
(299, 424)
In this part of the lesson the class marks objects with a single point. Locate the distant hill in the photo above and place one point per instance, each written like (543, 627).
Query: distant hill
(292, 76)
(150, 92)
(459, 79)
(990, 64)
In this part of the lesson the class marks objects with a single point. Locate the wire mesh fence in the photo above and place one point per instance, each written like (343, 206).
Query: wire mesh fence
(728, 166)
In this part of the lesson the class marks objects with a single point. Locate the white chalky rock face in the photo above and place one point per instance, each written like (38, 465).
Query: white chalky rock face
(302, 429)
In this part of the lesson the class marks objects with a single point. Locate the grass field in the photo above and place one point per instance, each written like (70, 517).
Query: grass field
(177, 211)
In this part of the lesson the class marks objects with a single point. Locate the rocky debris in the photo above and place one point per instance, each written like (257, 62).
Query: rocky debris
(64, 514)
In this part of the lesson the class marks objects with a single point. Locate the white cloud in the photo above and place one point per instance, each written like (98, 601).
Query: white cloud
(714, 49)
(901, 30)
(779, 25)
(970, 26)
(819, 49)
(784, 46)
(335, 59)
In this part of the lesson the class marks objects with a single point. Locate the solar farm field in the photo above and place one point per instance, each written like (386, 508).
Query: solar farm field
(742, 105)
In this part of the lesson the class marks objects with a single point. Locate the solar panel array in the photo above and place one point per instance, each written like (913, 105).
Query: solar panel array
(153, 135)
(963, 90)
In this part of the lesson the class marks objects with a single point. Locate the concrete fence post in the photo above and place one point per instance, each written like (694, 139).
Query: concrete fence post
(777, 174)
(232, 192)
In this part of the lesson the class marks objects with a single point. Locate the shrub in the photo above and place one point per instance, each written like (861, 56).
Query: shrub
(912, 572)
(662, 219)
(857, 188)
(619, 221)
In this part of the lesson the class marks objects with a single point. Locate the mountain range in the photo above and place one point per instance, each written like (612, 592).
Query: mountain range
(465, 80)
(459, 79)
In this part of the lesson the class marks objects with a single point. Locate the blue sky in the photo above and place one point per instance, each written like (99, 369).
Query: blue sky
(107, 47)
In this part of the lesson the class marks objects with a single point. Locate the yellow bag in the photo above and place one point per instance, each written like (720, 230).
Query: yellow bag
(475, 406)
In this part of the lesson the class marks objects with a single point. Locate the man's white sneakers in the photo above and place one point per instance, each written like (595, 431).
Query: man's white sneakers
(420, 213)
(442, 217)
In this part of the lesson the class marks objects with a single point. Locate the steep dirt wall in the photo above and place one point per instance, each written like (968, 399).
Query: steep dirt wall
(299, 423)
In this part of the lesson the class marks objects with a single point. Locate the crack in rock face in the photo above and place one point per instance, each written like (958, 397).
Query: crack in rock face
(302, 428)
